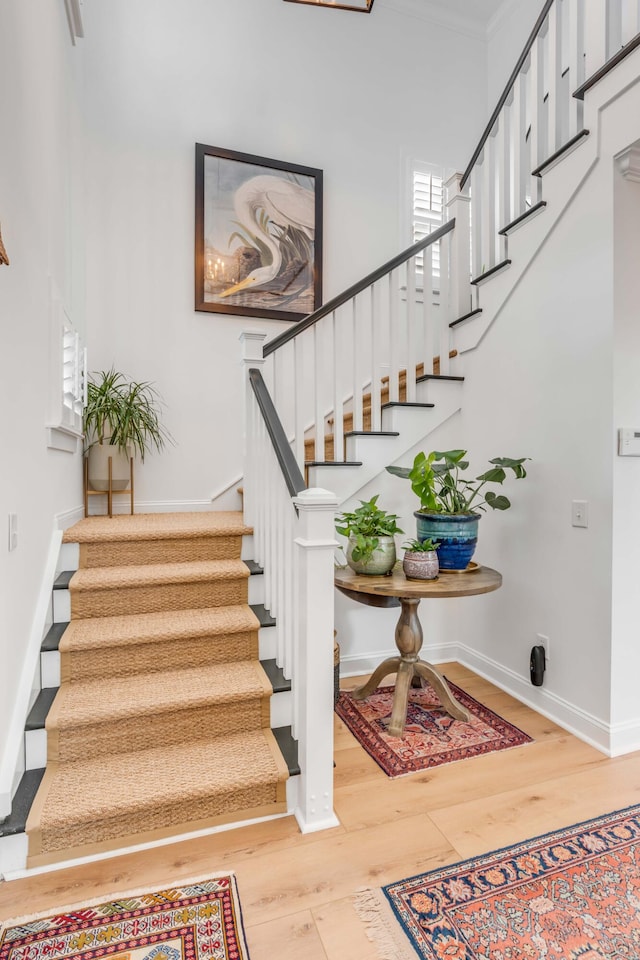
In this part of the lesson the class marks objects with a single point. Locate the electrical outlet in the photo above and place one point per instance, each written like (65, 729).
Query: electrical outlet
(543, 641)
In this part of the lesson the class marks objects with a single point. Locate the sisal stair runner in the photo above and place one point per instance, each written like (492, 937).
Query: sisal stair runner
(161, 722)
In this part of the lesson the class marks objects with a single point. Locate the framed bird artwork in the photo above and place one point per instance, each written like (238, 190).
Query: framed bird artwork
(258, 243)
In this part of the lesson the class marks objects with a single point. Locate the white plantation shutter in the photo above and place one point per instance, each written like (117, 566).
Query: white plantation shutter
(427, 207)
(73, 374)
(67, 375)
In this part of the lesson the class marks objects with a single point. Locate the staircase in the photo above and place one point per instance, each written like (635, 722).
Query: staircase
(162, 721)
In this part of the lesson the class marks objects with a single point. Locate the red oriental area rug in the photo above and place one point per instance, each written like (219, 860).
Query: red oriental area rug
(573, 895)
(190, 921)
(431, 736)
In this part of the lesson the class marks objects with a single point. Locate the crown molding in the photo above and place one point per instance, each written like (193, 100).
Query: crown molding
(441, 16)
(504, 11)
(628, 163)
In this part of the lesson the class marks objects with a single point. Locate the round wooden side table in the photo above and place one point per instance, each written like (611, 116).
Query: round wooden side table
(397, 591)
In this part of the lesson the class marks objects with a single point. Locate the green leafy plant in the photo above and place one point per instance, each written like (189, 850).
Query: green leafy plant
(365, 526)
(420, 546)
(124, 413)
(437, 480)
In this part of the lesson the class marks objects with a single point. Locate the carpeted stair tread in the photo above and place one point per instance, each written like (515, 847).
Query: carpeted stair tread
(107, 699)
(128, 577)
(92, 803)
(148, 642)
(107, 717)
(154, 526)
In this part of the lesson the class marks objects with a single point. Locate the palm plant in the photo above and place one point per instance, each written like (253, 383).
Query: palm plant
(123, 413)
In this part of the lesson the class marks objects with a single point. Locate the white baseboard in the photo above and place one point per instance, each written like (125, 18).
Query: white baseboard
(121, 506)
(68, 517)
(355, 665)
(583, 725)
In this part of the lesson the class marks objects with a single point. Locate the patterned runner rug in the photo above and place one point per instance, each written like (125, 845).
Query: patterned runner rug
(431, 736)
(571, 894)
(199, 919)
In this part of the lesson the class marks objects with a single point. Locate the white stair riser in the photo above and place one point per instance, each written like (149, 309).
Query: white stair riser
(267, 643)
(35, 748)
(281, 709)
(256, 588)
(61, 606)
(50, 669)
(13, 853)
(69, 558)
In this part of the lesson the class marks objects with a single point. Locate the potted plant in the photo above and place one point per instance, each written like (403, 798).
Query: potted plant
(420, 561)
(449, 501)
(370, 530)
(121, 419)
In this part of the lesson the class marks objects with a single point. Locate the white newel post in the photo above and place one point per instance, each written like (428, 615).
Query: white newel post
(315, 543)
(457, 203)
(251, 341)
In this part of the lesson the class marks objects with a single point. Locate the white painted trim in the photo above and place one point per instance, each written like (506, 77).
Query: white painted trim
(503, 12)
(624, 737)
(68, 517)
(62, 438)
(440, 16)
(225, 489)
(121, 506)
(18, 874)
(14, 735)
(583, 725)
(628, 163)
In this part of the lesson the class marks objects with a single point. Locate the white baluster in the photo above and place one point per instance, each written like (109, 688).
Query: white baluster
(394, 363)
(537, 115)
(595, 35)
(518, 133)
(554, 86)
(251, 344)
(338, 405)
(314, 668)
(318, 406)
(614, 27)
(443, 308)
(376, 355)
(268, 467)
(356, 361)
(287, 577)
(458, 208)
(428, 310)
(299, 393)
(412, 357)
(488, 209)
(259, 512)
(576, 64)
(501, 175)
(476, 219)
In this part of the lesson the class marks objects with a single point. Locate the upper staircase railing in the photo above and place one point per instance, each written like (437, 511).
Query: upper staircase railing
(329, 374)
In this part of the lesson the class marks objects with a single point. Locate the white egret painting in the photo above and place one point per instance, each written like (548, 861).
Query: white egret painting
(258, 235)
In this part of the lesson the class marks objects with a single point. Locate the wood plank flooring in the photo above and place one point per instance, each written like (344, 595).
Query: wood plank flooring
(296, 890)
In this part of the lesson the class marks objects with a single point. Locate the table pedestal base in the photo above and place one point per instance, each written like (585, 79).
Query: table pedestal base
(406, 666)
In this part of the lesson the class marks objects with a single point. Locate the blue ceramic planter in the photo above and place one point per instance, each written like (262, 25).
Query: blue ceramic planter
(457, 535)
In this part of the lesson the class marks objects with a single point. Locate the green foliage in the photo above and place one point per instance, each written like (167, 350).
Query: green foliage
(420, 546)
(124, 412)
(437, 481)
(366, 525)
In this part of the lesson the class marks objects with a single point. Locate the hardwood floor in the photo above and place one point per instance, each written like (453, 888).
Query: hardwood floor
(296, 890)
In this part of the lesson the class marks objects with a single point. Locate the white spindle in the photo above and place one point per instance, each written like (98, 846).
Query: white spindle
(595, 35)
(338, 412)
(317, 383)
(443, 308)
(287, 577)
(394, 364)
(476, 219)
(412, 353)
(517, 134)
(259, 513)
(488, 210)
(428, 310)
(502, 185)
(554, 85)
(357, 368)
(269, 559)
(537, 115)
(576, 63)
(376, 358)
(299, 393)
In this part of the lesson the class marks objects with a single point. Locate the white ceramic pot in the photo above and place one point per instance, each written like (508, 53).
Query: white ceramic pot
(99, 455)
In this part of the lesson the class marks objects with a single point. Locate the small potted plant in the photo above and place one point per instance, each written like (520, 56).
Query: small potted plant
(370, 530)
(449, 501)
(121, 418)
(420, 560)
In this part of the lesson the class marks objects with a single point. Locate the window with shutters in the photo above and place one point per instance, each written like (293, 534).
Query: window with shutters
(67, 381)
(427, 205)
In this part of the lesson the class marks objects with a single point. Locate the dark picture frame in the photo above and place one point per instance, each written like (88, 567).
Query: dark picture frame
(258, 235)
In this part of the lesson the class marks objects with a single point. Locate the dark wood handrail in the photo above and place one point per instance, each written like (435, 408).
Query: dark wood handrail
(608, 66)
(507, 90)
(357, 288)
(288, 463)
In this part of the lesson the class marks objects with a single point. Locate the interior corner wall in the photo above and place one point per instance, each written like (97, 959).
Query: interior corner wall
(40, 184)
(625, 654)
(333, 89)
(508, 34)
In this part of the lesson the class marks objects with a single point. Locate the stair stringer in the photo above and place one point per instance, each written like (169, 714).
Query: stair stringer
(414, 424)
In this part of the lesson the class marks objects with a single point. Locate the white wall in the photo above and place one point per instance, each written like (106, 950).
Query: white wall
(348, 93)
(508, 32)
(39, 184)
